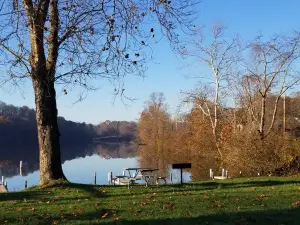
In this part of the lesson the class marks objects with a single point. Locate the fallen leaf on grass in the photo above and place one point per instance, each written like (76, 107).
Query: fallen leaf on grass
(218, 204)
(104, 215)
(143, 203)
(170, 206)
(116, 219)
(206, 196)
(296, 203)
(262, 195)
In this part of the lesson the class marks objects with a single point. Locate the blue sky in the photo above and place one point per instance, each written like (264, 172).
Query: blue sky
(245, 17)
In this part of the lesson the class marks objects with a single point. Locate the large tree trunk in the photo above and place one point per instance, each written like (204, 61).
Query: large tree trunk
(48, 133)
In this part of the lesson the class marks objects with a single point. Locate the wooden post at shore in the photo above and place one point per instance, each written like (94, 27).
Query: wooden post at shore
(95, 178)
(21, 168)
(109, 177)
(211, 174)
(25, 184)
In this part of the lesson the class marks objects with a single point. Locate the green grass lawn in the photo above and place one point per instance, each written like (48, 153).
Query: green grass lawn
(238, 201)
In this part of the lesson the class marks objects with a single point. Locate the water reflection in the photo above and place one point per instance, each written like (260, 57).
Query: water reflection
(79, 164)
(163, 159)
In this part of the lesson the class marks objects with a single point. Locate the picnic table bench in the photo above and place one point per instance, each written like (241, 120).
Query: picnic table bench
(146, 174)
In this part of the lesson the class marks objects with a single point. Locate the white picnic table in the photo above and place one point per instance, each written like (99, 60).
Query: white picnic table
(149, 175)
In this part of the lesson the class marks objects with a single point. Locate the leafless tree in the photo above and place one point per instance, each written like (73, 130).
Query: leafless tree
(271, 71)
(221, 56)
(73, 42)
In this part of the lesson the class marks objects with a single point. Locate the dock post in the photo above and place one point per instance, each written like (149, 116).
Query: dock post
(211, 173)
(111, 179)
(108, 178)
(21, 168)
(95, 178)
(25, 184)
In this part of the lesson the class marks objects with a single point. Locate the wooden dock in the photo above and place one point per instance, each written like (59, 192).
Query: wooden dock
(3, 188)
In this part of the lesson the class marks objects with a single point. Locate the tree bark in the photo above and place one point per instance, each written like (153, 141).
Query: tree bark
(262, 118)
(48, 132)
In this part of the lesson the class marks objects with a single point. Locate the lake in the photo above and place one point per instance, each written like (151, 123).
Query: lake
(78, 165)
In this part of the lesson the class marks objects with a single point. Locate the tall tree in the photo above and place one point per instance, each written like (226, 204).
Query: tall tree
(154, 130)
(272, 70)
(220, 56)
(72, 42)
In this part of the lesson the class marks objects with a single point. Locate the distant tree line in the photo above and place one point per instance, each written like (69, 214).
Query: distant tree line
(18, 129)
(10, 158)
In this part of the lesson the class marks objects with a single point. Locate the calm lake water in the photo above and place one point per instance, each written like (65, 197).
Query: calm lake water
(79, 167)
(79, 170)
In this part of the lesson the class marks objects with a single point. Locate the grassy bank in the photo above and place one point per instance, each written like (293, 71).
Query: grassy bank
(239, 201)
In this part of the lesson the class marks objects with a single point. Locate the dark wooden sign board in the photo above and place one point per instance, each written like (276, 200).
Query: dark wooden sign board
(181, 166)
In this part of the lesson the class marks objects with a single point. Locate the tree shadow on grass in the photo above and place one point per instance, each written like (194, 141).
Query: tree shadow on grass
(263, 217)
(202, 186)
(274, 217)
(48, 192)
(243, 184)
